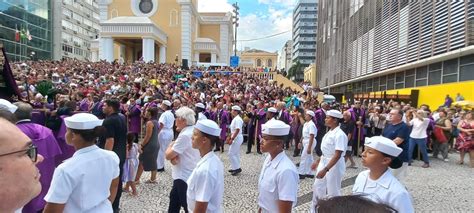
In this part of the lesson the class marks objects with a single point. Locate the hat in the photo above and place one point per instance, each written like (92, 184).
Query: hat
(237, 108)
(8, 105)
(82, 121)
(73, 85)
(334, 113)
(272, 109)
(166, 102)
(209, 127)
(309, 112)
(384, 145)
(200, 105)
(276, 128)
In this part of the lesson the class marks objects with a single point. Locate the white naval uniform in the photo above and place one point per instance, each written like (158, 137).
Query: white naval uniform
(387, 190)
(306, 160)
(188, 157)
(206, 184)
(83, 181)
(330, 184)
(234, 148)
(165, 136)
(201, 116)
(278, 181)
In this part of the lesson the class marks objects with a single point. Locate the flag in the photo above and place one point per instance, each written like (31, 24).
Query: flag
(17, 35)
(23, 34)
(28, 35)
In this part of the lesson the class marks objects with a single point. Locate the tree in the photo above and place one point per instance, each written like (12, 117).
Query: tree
(294, 68)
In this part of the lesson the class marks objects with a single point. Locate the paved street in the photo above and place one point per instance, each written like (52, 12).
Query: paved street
(445, 187)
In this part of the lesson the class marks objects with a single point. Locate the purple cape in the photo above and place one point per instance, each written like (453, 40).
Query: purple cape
(66, 149)
(134, 119)
(222, 118)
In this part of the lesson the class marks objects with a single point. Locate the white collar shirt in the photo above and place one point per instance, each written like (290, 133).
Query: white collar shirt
(206, 184)
(309, 128)
(237, 123)
(387, 189)
(278, 181)
(333, 140)
(83, 181)
(418, 130)
(201, 116)
(167, 119)
(188, 157)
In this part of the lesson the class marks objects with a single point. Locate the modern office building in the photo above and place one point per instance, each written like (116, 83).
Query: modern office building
(305, 16)
(75, 26)
(25, 29)
(401, 47)
(285, 57)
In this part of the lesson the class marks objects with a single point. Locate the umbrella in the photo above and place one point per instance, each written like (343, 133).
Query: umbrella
(464, 103)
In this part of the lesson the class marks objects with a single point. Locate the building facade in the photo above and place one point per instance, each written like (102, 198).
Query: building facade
(310, 75)
(284, 59)
(396, 46)
(258, 59)
(25, 29)
(75, 27)
(165, 31)
(305, 16)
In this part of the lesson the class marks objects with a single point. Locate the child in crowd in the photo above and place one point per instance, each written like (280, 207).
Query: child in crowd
(131, 165)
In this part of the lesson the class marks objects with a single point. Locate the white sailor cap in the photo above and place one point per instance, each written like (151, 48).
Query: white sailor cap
(209, 127)
(334, 113)
(166, 102)
(8, 105)
(73, 85)
(237, 108)
(384, 145)
(311, 113)
(200, 105)
(276, 128)
(82, 121)
(272, 109)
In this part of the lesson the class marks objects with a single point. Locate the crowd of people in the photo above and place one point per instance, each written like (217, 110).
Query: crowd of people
(153, 113)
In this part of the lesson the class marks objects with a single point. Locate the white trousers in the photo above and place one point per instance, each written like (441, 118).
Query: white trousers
(234, 152)
(401, 173)
(306, 160)
(330, 184)
(164, 139)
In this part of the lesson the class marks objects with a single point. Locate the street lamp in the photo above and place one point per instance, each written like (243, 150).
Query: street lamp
(235, 21)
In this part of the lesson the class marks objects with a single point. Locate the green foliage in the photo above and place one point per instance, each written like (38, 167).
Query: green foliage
(44, 87)
(294, 68)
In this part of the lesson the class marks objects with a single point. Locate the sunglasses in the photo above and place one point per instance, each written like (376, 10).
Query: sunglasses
(31, 151)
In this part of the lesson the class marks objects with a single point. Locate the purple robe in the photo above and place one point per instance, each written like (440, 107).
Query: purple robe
(285, 117)
(67, 150)
(319, 120)
(134, 119)
(47, 146)
(84, 105)
(222, 118)
(259, 120)
(357, 114)
(38, 117)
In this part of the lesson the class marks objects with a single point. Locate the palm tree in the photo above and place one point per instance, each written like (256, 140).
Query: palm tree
(294, 68)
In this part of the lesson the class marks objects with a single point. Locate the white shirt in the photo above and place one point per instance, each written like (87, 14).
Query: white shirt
(167, 119)
(188, 157)
(308, 129)
(201, 116)
(419, 128)
(206, 183)
(333, 140)
(278, 181)
(83, 181)
(385, 190)
(237, 123)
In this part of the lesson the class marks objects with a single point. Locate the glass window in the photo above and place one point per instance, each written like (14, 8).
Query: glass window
(400, 77)
(259, 62)
(450, 67)
(422, 82)
(399, 85)
(435, 66)
(409, 81)
(410, 72)
(434, 77)
(421, 72)
(391, 84)
(466, 72)
(269, 63)
(450, 78)
(467, 59)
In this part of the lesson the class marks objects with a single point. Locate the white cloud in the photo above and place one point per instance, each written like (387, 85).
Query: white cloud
(214, 6)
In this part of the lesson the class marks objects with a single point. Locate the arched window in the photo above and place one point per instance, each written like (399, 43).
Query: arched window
(174, 19)
(259, 62)
(269, 63)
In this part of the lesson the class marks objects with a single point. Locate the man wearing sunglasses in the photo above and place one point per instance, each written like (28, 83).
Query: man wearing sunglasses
(19, 177)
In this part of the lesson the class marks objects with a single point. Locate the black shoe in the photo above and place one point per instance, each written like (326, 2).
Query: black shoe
(302, 177)
(310, 176)
(259, 152)
(297, 164)
(161, 170)
(295, 155)
(230, 170)
(247, 152)
(217, 150)
(235, 172)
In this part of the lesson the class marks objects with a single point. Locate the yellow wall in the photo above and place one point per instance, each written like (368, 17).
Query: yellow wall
(211, 31)
(263, 56)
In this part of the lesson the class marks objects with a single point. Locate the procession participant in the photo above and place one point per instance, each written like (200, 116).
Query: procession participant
(308, 144)
(200, 109)
(115, 139)
(43, 138)
(134, 120)
(380, 154)
(88, 181)
(19, 177)
(358, 116)
(235, 140)
(271, 113)
(165, 133)
(284, 116)
(347, 125)
(259, 119)
(206, 183)
(330, 167)
(222, 118)
(278, 180)
(319, 121)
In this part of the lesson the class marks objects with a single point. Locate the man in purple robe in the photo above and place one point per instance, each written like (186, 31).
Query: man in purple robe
(47, 146)
(319, 117)
(222, 118)
(358, 116)
(259, 119)
(84, 103)
(284, 116)
(134, 119)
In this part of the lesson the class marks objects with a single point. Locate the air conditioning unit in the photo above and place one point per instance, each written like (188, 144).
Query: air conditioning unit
(68, 17)
(75, 32)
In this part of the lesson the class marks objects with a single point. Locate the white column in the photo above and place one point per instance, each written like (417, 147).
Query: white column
(148, 49)
(162, 54)
(213, 58)
(106, 50)
(196, 57)
(186, 13)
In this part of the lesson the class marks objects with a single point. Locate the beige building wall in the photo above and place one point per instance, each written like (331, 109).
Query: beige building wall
(210, 31)
(310, 75)
(258, 59)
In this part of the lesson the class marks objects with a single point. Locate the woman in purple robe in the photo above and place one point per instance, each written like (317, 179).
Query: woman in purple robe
(134, 119)
(67, 150)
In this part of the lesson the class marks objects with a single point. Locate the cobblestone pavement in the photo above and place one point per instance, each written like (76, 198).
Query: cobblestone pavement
(444, 187)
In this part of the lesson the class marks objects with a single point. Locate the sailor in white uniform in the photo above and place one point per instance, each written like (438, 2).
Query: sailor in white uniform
(278, 181)
(378, 182)
(165, 135)
(88, 181)
(330, 166)
(235, 140)
(271, 112)
(308, 144)
(200, 108)
(206, 183)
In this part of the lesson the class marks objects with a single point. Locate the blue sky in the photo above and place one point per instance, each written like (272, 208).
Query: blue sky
(258, 18)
